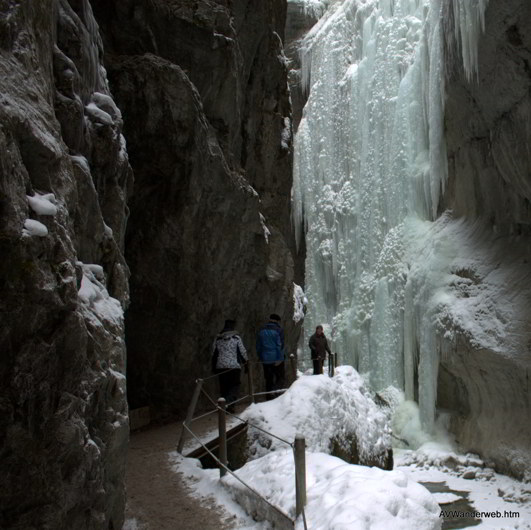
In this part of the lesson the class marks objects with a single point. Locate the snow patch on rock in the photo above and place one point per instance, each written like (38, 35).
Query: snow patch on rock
(95, 296)
(42, 204)
(34, 228)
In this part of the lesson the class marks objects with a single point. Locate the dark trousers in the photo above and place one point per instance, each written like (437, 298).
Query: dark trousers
(317, 366)
(274, 377)
(229, 384)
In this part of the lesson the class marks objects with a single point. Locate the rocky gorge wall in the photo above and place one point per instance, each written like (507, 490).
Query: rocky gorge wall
(489, 161)
(203, 101)
(64, 182)
(203, 89)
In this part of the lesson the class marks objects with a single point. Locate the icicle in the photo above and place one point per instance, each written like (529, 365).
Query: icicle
(370, 155)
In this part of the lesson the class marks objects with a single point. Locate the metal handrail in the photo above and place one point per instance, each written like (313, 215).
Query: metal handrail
(218, 409)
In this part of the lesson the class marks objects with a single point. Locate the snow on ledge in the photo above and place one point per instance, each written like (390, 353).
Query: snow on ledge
(95, 296)
(42, 204)
(34, 228)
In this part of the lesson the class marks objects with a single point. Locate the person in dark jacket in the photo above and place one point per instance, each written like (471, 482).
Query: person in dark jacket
(318, 347)
(228, 356)
(270, 349)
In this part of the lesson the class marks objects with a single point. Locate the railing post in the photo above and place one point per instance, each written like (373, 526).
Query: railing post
(190, 413)
(300, 473)
(331, 364)
(293, 362)
(222, 425)
(250, 380)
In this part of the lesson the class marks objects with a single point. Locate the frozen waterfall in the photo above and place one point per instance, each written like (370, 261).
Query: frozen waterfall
(370, 168)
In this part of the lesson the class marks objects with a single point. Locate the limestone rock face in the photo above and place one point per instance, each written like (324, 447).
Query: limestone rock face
(64, 179)
(488, 139)
(300, 19)
(203, 89)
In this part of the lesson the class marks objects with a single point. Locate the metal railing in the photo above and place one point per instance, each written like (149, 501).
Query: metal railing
(298, 446)
(298, 450)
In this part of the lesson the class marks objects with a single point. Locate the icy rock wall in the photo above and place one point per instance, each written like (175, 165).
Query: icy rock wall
(403, 264)
(485, 383)
(64, 179)
(203, 90)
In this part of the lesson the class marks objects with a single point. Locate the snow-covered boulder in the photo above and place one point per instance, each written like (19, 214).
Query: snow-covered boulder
(339, 495)
(336, 415)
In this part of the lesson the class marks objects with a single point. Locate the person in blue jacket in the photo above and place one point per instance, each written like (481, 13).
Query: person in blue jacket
(270, 349)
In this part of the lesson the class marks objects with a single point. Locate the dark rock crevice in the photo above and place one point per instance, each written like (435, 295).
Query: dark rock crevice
(203, 91)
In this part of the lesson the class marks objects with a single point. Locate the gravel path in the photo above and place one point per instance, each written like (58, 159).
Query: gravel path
(157, 498)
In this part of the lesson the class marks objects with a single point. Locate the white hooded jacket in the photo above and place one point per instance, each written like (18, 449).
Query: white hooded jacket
(230, 350)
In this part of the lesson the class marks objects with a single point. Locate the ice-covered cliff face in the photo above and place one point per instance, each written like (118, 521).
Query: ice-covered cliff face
(397, 276)
(64, 179)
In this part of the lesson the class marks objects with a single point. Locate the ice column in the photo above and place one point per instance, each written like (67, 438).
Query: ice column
(369, 156)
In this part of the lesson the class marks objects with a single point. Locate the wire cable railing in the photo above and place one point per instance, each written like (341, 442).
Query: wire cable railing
(280, 512)
(300, 473)
(222, 412)
(223, 466)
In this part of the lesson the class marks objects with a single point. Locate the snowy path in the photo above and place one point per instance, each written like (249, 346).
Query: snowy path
(157, 497)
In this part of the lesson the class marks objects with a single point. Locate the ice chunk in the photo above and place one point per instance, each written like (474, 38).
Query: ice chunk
(299, 302)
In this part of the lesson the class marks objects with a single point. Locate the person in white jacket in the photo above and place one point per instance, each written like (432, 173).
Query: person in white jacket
(228, 357)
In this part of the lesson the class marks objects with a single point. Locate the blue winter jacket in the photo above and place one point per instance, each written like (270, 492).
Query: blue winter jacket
(270, 343)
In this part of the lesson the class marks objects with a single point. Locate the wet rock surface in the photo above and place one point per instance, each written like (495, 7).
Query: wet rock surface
(64, 179)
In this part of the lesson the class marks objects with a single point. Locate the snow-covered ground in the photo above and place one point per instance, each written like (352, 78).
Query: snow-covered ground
(344, 496)
(506, 502)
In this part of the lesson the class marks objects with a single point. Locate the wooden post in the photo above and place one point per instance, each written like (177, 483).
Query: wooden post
(222, 426)
(190, 413)
(293, 362)
(300, 473)
(250, 380)
(331, 364)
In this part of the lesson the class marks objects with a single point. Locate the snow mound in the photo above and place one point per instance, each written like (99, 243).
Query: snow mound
(94, 296)
(43, 204)
(339, 495)
(34, 228)
(324, 410)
